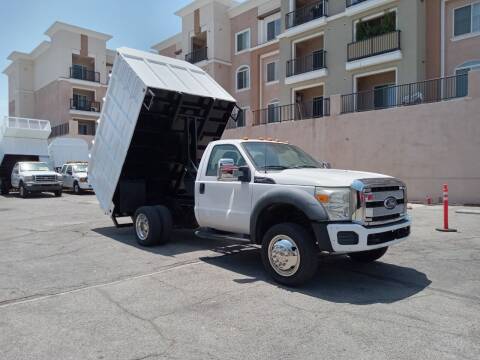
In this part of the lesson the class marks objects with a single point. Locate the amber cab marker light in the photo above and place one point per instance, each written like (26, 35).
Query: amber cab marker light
(323, 198)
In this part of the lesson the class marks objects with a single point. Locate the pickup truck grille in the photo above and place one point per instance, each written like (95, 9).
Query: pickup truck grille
(380, 201)
(45, 178)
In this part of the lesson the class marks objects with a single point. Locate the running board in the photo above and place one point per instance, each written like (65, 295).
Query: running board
(215, 235)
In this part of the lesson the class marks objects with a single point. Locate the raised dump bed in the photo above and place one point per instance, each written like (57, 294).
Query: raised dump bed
(158, 117)
(21, 139)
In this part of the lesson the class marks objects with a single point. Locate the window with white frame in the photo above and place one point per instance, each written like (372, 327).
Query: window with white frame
(271, 72)
(466, 19)
(243, 78)
(272, 29)
(242, 41)
(273, 111)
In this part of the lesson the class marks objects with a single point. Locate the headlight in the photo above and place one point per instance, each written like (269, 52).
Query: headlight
(28, 178)
(336, 202)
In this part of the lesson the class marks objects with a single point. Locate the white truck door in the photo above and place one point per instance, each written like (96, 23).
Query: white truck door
(223, 205)
(15, 176)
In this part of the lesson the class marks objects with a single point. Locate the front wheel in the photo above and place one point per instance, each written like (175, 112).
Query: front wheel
(22, 191)
(289, 254)
(76, 188)
(368, 256)
(58, 193)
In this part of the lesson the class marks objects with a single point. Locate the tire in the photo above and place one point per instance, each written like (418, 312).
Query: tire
(368, 256)
(4, 188)
(76, 188)
(289, 237)
(167, 223)
(148, 226)
(58, 193)
(22, 192)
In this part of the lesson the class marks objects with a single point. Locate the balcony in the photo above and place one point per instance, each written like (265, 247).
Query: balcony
(84, 105)
(80, 73)
(197, 55)
(316, 108)
(312, 62)
(428, 91)
(375, 45)
(306, 13)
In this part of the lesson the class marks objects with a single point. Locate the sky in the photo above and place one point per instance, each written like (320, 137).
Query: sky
(133, 23)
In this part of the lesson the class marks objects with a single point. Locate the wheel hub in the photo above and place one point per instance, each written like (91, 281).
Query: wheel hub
(283, 255)
(142, 227)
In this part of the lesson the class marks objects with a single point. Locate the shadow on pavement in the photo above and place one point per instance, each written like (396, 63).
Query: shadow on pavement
(338, 279)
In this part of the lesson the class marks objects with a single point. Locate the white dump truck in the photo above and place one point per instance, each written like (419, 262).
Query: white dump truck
(64, 150)
(158, 159)
(21, 139)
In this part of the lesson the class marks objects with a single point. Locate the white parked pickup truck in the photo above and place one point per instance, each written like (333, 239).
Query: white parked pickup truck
(35, 177)
(157, 158)
(75, 176)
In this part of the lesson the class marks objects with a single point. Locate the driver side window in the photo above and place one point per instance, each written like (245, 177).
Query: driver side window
(225, 151)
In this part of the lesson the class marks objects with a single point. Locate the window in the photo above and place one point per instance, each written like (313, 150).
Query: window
(81, 102)
(242, 41)
(272, 72)
(273, 29)
(226, 151)
(243, 78)
(273, 111)
(467, 19)
(86, 127)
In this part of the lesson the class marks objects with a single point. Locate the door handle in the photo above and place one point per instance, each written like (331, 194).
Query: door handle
(202, 188)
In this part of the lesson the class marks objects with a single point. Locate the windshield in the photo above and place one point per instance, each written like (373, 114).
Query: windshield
(278, 156)
(34, 167)
(80, 168)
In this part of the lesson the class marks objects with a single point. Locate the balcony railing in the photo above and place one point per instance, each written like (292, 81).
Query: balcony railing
(311, 62)
(197, 55)
(375, 45)
(83, 74)
(306, 110)
(353, 2)
(84, 105)
(306, 13)
(427, 91)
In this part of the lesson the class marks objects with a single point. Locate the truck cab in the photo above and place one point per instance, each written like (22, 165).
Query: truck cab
(75, 176)
(35, 177)
(279, 197)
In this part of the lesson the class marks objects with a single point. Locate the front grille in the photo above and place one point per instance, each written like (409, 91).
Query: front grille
(45, 178)
(380, 201)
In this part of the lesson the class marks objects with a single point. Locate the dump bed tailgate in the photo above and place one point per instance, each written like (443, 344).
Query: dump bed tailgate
(148, 85)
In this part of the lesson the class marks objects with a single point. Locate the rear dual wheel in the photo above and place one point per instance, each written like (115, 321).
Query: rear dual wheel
(153, 225)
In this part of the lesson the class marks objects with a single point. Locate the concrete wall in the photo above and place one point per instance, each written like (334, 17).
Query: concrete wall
(425, 145)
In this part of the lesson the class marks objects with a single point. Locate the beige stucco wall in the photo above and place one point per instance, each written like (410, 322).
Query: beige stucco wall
(425, 145)
(458, 51)
(433, 39)
(169, 51)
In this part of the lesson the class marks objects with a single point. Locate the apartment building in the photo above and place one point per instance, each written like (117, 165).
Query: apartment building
(282, 60)
(62, 80)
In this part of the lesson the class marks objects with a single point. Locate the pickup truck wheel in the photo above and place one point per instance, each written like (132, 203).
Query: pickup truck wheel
(57, 193)
(289, 254)
(22, 191)
(76, 188)
(167, 223)
(368, 256)
(148, 226)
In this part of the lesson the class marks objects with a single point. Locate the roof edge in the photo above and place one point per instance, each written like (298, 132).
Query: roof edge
(58, 26)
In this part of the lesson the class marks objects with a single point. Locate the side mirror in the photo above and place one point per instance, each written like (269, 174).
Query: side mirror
(227, 171)
(245, 174)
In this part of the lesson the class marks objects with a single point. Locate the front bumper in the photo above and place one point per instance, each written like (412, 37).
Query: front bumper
(351, 237)
(85, 185)
(34, 187)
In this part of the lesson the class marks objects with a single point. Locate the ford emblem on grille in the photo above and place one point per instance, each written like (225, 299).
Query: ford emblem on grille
(390, 203)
